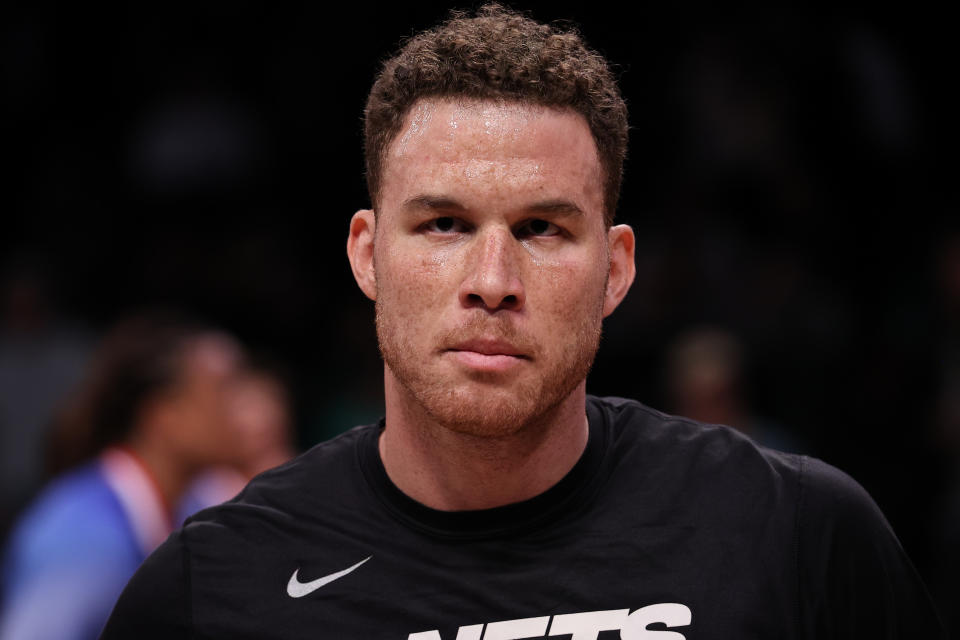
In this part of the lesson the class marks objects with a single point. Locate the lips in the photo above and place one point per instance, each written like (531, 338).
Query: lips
(487, 355)
(489, 347)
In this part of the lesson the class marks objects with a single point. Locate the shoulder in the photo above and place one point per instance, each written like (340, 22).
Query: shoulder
(314, 476)
(307, 492)
(75, 520)
(70, 495)
(707, 452)
(74, 547)
(329, 457)
(811, 519)
(704, 477)
(228, 551)
(855, 578)
(838, 520)
(830, 497)
(722, 456)
(157, 602)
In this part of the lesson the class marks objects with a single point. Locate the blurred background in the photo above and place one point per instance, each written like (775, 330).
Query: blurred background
(788, 179)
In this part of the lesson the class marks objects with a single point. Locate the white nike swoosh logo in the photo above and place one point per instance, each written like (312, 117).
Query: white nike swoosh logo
(297, 589)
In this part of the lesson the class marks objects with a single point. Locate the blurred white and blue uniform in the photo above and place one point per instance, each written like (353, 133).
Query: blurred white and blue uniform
(74, 549)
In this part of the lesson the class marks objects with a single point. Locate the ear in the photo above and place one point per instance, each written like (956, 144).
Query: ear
(363, 227)
(621, 243)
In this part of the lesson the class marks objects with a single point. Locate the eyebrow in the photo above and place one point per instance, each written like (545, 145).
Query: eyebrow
(427, 201)
(557, 206)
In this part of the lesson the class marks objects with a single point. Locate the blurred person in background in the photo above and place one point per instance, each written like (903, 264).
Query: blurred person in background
(260, 408)
(155, 410)
(705, 374)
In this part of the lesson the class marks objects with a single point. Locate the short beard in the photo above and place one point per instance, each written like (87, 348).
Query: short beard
(487, 408)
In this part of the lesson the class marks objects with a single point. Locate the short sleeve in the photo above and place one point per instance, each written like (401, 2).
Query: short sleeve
(856, 581)
(156, 601)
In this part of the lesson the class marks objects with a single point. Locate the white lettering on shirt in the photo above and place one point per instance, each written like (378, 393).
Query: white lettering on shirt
(581, 626)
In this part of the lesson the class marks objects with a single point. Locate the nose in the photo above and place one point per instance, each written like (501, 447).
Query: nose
(492, 281)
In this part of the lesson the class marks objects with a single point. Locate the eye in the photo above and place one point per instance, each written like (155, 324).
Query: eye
(446, 224)
(538, 228)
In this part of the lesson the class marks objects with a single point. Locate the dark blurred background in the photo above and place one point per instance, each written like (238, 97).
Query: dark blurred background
(788, 179)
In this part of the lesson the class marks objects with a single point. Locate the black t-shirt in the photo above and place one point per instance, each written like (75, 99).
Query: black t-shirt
(665, 529)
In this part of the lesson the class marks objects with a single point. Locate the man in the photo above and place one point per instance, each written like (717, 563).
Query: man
(496, 500)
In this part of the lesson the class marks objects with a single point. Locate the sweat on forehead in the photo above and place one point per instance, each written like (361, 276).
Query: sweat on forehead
(451, 146)
(503, 121)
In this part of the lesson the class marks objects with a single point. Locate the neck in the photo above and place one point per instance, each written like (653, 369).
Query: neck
(171, 477)
(453, 471)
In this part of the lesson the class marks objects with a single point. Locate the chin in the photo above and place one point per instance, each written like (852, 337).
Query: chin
(489, 408)
(487, 413)
(488, 404)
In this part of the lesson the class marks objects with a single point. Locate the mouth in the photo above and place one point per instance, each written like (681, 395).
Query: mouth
(487, 355)
(489, 347)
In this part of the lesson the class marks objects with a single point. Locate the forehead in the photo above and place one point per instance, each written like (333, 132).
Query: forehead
(476, 145)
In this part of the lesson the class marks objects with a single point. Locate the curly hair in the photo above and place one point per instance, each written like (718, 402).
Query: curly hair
(499, 54)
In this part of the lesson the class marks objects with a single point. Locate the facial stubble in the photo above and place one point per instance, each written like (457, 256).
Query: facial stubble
(490, 406)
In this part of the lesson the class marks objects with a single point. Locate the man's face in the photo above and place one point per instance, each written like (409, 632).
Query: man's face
(200, 426)
(489, 262)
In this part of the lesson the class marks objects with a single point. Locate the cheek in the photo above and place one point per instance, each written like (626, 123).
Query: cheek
(569, 287)
(411, 283)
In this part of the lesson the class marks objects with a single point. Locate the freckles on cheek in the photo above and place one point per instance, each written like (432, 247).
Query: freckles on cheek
(413, 284)
(432, 265)
(568, 274)
(562, 284)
